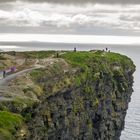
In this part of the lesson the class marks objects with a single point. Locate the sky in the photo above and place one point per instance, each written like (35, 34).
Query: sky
(70, 17)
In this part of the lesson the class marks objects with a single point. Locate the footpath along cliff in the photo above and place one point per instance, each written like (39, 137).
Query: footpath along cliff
(78, 96)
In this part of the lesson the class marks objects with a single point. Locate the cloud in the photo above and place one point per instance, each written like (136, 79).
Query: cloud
(89, 15)
(28, 17)
(70, 18)
(130, 17)
(79, 1)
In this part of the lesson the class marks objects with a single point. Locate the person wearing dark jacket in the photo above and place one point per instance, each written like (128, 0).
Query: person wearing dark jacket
(4, 74)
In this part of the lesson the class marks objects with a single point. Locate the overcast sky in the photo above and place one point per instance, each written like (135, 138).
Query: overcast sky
(103, 17)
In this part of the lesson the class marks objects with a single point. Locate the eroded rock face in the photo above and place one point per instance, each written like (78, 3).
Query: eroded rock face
(92, 108)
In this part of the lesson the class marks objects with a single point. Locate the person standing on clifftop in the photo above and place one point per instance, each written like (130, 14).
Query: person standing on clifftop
(75, 49)
(4, 74)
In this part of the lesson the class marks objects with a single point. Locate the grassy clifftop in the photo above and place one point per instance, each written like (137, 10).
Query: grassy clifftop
(98, 63)
(73, 95)
(83, 58)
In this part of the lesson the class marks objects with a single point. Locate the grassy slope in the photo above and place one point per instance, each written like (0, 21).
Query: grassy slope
(97, 62)
(38, 54)
(9, 124)
(82, 58)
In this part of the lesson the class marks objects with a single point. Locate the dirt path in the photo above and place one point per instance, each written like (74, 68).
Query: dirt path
(4, 81)
(39, 64)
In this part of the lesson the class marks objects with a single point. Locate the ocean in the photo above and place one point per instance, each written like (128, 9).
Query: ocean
(132, 120)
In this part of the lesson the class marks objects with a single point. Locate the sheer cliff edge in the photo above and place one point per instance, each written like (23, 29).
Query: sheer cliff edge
(65, 96)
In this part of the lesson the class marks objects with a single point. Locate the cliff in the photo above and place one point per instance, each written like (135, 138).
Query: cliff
(78, 96)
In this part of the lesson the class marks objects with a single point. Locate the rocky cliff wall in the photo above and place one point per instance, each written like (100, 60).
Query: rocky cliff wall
(81, 96)
(90, 103)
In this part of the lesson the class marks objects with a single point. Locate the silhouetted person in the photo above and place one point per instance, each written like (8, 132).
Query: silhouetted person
(106, 49)
(75, 49)
(4, 74)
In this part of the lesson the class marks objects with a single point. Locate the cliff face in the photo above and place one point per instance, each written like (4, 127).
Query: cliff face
(85, 97)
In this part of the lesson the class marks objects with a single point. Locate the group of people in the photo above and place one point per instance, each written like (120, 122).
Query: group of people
(106, 49)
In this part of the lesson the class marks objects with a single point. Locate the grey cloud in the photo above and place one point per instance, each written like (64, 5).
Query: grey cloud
(130, 18)
(6, 6)
(80, 1)
(77, 30)
(91, 1)
(73, 20)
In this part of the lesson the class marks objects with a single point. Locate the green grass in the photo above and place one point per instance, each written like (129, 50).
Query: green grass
(21, 103)
(99, 58)
(37, 74)
(115, 58)
(38, 54)
(77, 58)
(95, 64)
(9, 124)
